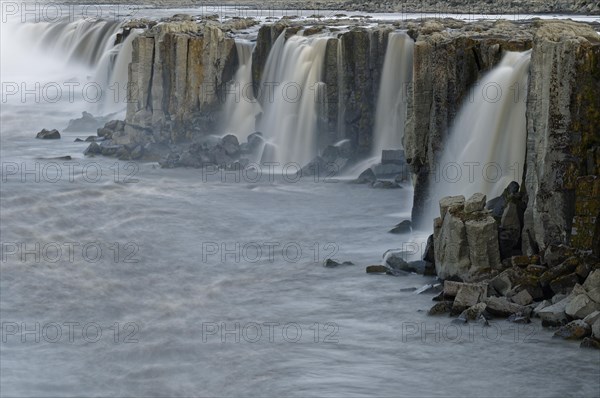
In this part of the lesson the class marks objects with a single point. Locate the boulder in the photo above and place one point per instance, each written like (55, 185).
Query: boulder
(564, 284)
(329, 263)
(231, 145)
(48, 134)
(402, 228)
(554, 314)
(474, 312)
(443, 307)
(575, 330)
(93, 149)
(591, 318)
(475, 203)
(596, 329)
(500, 306)
(522, 298)
(581, 306)
(451, 202)
(384, 184)
(377, 269)
(502, 283)
(468, 295)
(592, 285)
(366, 177)
(590, 342)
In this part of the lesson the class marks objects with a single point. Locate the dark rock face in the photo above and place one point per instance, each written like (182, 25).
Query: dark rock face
(562, 135)
(48, 134)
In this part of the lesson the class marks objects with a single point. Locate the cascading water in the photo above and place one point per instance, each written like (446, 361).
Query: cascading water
(289, 121)
(85, 48)
(241, 108)
(485, 150)
(391, 102)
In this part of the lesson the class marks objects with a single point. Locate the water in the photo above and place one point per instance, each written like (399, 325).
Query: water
(370, 340)
(241, 108)
(485, 149)
(289, 117)
(391, 103)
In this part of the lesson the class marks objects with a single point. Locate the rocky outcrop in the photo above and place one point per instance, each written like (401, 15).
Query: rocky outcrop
(562, 136)
(465, 243)
(176, 77)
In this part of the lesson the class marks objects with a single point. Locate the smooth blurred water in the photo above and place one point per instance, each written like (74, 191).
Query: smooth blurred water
(374, 338)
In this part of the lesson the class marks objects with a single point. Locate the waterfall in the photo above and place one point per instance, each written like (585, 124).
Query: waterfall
(485, 150)
(391, 102)
(83, 50)
(241, 108)
(292, 74)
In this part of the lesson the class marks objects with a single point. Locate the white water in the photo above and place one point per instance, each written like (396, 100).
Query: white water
(391, 103)
(289, 120)
(83, 48)
(485, 149)
(241, 108)
(172, 290)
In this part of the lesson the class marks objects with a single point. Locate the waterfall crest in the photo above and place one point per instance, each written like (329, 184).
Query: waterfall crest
(289, 120)
(391, 102)
(241, 108)
(485, 149)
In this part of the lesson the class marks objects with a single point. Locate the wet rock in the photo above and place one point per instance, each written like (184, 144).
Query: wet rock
(468, 295)
(329, 263)
(396, 260)
(377, 269)
(79, 140)
(519, 318)
(443, 307)
(430, 288)
(402, 228)
(474, 312)
(500, 306)
(575, 330)
(590, 342)
(366, 177)
(91, 138)
(554, 314)
(93, 149)
(475, 203)
(48, 134)
(384, 184)
(596, 329)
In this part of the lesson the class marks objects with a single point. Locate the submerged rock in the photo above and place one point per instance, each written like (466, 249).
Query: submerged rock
(402, 227)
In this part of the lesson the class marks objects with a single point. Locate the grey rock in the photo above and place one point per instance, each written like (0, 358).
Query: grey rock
(48, 134)
(402, 227)
(575, 330)
(475, 203)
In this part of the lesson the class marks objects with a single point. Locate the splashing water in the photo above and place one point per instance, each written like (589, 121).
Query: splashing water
(485, 150)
